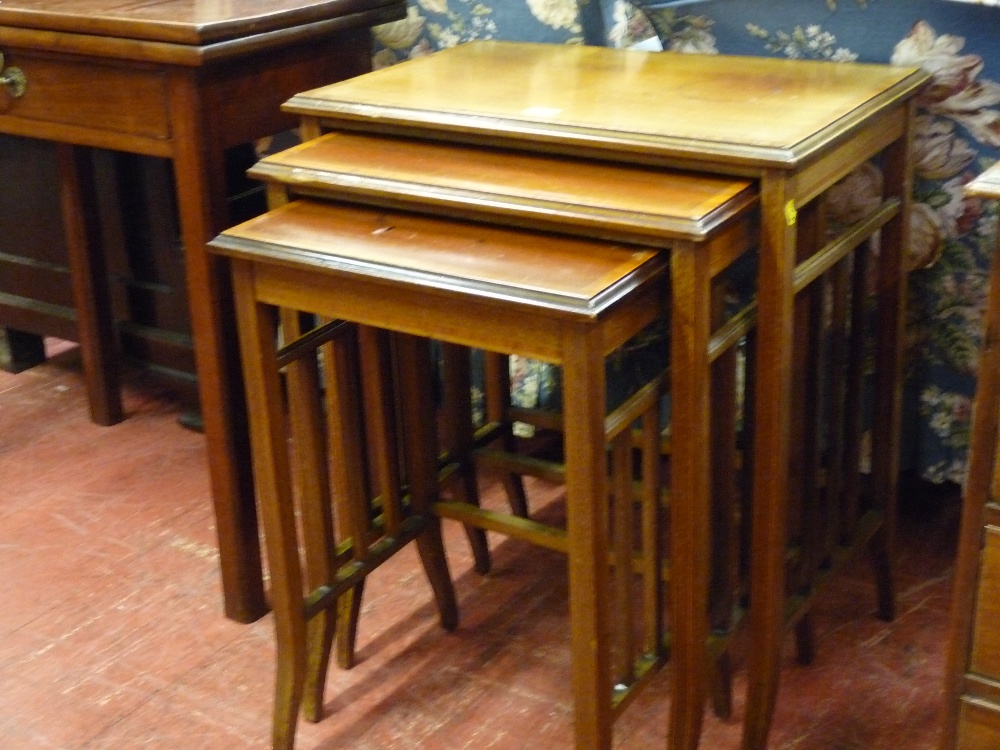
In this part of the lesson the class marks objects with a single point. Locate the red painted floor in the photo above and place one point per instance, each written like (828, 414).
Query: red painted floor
(111, 632)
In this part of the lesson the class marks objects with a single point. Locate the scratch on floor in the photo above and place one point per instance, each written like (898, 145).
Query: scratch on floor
(204, 551)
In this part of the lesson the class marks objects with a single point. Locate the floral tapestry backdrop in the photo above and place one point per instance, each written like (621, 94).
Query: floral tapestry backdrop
(438, 24)
(958, 136)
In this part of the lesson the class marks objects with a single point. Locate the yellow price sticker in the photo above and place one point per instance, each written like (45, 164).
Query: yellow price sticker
(790, 213)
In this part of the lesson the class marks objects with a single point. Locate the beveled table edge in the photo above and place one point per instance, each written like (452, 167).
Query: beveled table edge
(174, 52)
(182, 31)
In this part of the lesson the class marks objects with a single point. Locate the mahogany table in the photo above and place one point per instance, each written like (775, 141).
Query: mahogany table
(795, 126)
(701, 224)
(972, 701)
(184, 80)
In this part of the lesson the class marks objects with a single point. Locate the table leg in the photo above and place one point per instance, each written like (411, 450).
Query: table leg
(200, 184)
(889, 357)
(91, 294)
(587, 527)
(690, 490)
(775, 296)
(274, 475)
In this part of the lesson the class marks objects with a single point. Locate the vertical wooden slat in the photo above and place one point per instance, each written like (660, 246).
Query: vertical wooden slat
(854, 389)
(747, 444)
(496, 376)
(652, 524)
(837, 388)
(457, 408)
(622, 528)
(380, 425)
(309, 454)
(348, 475)
(420, 458)
(308, 451)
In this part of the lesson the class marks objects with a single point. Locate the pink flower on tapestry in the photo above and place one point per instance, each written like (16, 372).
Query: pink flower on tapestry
(939, 154)
(926, 236)
(941, 215)
(856, 196)
(954, 91)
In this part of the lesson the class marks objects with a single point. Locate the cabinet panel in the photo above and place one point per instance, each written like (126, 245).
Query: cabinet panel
(985, 659)
(35, 291)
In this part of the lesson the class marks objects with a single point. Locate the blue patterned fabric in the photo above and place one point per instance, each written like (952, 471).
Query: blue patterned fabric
(437, 24)
(958, 136)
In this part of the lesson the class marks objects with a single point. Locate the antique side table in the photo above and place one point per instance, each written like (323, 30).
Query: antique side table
(797, 127)
(183, 80)
(972, 679)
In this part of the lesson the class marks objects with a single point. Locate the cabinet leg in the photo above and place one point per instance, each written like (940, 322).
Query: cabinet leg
(20, 350)
(91, 292)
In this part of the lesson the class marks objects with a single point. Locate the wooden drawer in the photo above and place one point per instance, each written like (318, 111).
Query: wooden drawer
(978, 725)
(83, 93)
(985, 658)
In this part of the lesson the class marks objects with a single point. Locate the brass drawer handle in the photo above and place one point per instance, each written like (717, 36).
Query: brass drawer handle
(13, 79)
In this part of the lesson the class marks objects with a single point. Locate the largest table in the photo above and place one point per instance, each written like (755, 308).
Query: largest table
(184, 80)
(795, 126)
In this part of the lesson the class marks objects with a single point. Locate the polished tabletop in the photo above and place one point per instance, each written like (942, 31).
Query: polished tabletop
(760, 111)
(176, 21)
(401, 249)
(648, 206)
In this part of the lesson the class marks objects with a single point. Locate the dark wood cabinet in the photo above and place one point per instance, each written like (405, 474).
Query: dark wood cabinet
(186, 81)
(142, 243)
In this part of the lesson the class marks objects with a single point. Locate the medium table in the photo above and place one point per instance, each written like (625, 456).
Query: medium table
(797, 127)
(183, 80)
(702, 226)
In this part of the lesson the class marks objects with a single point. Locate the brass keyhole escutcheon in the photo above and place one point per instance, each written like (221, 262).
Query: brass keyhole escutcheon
(13, 80)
